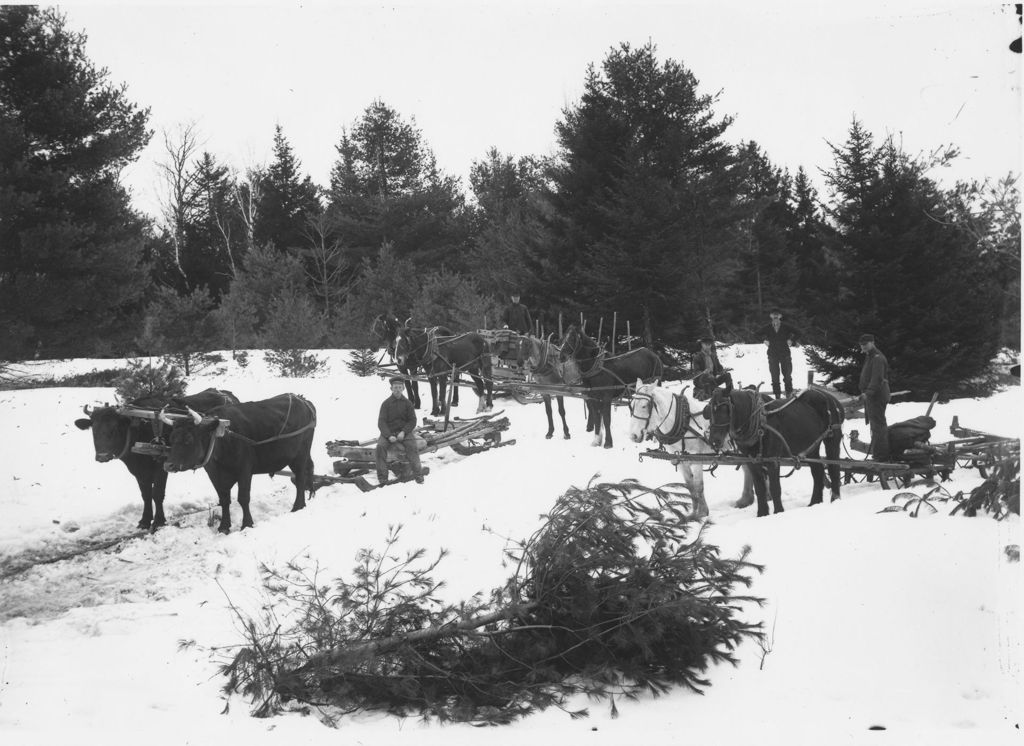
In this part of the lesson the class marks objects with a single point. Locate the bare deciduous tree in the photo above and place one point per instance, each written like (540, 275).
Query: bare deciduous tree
(325, 266)
(178, 182)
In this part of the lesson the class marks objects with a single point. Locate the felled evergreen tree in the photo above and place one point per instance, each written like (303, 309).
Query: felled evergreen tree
(71, 249)
(905, 274)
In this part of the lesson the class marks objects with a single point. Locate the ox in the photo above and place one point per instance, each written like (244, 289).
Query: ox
(233, 442)
(113, 434)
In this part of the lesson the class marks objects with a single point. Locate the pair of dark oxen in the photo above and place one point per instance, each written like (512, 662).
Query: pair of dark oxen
(231, 440)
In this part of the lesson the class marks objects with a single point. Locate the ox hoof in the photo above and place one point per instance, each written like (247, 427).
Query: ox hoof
(566, 436)
(608, 445)
(224, 530)
(548, 436)
(743, 503)
(763, 514)
(144, 524)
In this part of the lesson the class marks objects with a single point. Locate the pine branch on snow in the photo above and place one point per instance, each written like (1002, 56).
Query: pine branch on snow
(611, 596)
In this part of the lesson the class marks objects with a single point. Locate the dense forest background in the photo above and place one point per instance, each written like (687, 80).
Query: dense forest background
(648, 210)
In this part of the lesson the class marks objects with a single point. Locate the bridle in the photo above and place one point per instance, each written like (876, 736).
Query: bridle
(636, 399)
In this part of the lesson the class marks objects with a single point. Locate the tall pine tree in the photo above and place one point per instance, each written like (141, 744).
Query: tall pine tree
(905, 274)
(644, 194)
(386, 189)
(71, 248)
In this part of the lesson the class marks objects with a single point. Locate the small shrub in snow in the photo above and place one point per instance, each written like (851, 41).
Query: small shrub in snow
(362, 362)
(294, 363)
(612, 596)
(144, 379)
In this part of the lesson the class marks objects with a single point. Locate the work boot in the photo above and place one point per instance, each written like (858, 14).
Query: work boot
(381, 478)
(419, 479)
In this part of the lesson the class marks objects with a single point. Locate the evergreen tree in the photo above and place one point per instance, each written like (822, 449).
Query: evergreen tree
(816, 273)
(181, 328)
(286, 199)
(386, 188)
(449, 299)
(71, 249)
(505, 222)
(905, 274)
(643, 196)
(388, 284)
(245, 309)
(215, 236)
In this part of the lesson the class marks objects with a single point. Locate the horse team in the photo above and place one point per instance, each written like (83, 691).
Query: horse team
(233, 441)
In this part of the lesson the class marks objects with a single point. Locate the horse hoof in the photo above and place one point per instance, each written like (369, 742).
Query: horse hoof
(608, 445)
(224, 530)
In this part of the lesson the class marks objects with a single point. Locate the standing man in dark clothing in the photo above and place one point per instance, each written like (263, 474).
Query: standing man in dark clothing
(874, 387)
(778, 336)
(397, 425)
(517, 317)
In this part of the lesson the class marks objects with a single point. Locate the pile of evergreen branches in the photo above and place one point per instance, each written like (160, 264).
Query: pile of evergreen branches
(611, 596)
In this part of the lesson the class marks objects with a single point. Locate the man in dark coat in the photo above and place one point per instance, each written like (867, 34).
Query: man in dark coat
(778, 336)
(874, 387)
(706, 361)
(397, 425)
(517, 317)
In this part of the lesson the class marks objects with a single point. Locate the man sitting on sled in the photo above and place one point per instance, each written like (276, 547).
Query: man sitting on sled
(397, 425)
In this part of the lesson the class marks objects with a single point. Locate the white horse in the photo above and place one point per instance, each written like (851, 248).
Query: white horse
(678, 423)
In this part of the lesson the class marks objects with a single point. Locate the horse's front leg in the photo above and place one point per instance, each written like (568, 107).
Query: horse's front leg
(454, 383)
(561, 413)
(606, 416)
(693, 475)
(776, 487)
(547, 411)
(747, 497)
(436, 396)
(759, 476)
(818, 475)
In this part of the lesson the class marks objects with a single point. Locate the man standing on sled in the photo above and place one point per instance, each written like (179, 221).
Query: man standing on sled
(874, 386)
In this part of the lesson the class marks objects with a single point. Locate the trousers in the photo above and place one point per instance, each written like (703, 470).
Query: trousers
(412, 455)
(874, 413)
(784, 365)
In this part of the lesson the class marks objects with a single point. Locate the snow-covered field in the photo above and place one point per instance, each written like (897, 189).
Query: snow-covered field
(875, 620)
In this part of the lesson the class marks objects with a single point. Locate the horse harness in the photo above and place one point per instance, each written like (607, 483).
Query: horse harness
(757, 425)
(681, 424)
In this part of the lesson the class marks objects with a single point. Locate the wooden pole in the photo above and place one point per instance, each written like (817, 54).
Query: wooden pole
(448, 402)
(600, 326)
(810, 378)
(560, 332)
(485, 321)
(615, 323)
(935, 397)
(629, 337)
(581, 320)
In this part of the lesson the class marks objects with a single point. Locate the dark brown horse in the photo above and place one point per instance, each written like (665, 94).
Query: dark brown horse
(445, 354)
(607, 378)
(783, 428)
(386, 328)
(541, 359)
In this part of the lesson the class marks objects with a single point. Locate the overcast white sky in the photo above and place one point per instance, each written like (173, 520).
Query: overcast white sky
(482, 74)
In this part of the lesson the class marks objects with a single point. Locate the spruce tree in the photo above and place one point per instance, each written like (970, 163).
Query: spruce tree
(71, 248)
(643, 195)
(906, 274)
(287, 199)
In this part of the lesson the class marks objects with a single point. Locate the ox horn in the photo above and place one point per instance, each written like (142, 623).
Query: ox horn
(164, 418)
(196, 417)
(87, 410)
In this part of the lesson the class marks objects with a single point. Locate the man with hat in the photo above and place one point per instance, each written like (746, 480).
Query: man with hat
(397, 425)
(706, 361)
(517, 316)
(778, 336)
(874, 387)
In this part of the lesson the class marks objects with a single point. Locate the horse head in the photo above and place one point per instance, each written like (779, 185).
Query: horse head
(719, 413)
(403, 345)
(641, 410)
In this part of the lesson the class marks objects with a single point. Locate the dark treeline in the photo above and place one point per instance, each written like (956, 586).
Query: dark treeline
(647, 209)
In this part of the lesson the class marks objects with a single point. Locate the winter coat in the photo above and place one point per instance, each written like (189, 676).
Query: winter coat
(778, 341)
(874, 377)
(396, 415)
(707, 363)
(517, 318)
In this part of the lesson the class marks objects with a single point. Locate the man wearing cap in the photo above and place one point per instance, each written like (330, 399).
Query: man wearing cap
(874, 387)
(778, 336)
(517, 317)
(706, 361)
(397, 425)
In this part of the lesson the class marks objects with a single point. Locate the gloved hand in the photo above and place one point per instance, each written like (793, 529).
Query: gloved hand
(505, 327)
(401, 435)
(392, 439)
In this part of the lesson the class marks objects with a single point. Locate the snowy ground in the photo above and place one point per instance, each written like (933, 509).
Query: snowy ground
(874, 619)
